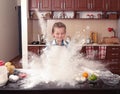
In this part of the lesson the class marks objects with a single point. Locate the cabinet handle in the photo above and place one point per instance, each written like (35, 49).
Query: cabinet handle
(91, 6)
(115, 54)
(107, 6)
(61, 5)
(38, 5)
(88, 5)
(38, 52)
(114, 60)
(115, 48)
(64, 5)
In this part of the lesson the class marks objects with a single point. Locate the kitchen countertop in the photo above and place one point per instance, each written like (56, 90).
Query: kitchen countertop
(52, 88)
(94, 44)
(99, 85)
(36, 45)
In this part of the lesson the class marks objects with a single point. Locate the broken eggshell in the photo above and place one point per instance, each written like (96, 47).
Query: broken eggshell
(80, 79)
(13, 78)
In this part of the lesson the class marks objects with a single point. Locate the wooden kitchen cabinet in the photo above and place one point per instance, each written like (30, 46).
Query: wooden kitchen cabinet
(60, 5)
(45, 5)
(88, 5)
(69, 5)
(41, 5)
(33, 4)
(113, 59)
(113, 54)
(111, 5)
(36, 49)
(97, 5)
(82, 5)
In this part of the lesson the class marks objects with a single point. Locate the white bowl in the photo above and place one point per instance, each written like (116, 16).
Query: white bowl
(3, 75)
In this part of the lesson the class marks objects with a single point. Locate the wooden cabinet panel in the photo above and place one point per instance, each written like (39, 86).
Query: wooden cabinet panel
(69, 5)
(115, 71)
(62, 5)
(112, 57)
(85, 5)
(118, 5)
(111, 5)
(113, 54)
(114, 5)
(33, 4)
(45, 5)
(97, 5)
(82, 5)
(57, 4)
(34, 49)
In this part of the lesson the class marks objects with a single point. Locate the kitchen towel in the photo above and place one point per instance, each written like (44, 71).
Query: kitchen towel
(102, 52)
(90, 52)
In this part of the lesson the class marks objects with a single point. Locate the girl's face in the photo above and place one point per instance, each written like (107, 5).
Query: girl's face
(59, 34)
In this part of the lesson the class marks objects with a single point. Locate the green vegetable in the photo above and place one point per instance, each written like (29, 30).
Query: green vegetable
(92, 77)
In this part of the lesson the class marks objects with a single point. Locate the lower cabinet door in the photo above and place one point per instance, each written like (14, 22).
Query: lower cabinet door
(34, 49)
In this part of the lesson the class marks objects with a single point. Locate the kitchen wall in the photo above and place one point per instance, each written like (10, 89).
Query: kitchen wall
(82, 26)
(18, 2)
(9, 44)
(86, 27)
(34, 30)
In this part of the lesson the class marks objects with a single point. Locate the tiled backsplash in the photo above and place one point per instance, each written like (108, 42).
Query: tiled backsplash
(86, 26)
(82, 26)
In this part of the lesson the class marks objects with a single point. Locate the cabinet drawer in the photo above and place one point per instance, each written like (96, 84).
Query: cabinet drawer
(34, 49)
(113, 55)
(113, 66)
(113, 60)
(113, 49)
(115, 71)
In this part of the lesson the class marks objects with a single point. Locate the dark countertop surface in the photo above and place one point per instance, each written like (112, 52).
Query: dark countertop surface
(52, 88)
(99, 85)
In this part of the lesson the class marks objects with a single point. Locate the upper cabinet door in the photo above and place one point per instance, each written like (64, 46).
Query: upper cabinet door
(69, 5)
(63, 5)
(33, 4)
(45, 5)
(97, 5)
(57, 4)
(82, 5)
(118, 5)
(111, 5)
(114, 5)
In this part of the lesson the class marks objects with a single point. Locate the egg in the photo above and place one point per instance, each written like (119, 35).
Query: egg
(83, 79)
(77, 79)
(13, 78)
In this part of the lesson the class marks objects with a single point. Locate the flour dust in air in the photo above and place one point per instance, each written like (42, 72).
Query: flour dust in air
(62, 65)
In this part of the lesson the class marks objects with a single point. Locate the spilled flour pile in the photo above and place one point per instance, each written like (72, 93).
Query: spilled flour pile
(61, 65)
